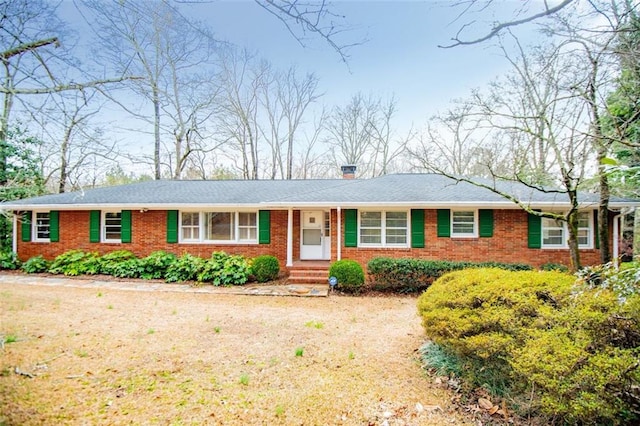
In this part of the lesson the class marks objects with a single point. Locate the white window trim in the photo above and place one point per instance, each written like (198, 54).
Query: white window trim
(383, 231)
(565, 235)
(476, 225)
(103, 227)
(201, 228)
(34, 227)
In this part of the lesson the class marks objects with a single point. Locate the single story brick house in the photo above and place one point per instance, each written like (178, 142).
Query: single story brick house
(425, 216)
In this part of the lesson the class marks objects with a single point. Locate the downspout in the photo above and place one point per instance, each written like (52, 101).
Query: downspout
(14, 242)
(616, 239)
(339, 234)
(290, 237)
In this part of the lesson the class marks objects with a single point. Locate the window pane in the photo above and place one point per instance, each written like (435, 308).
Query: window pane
(42, 226)
(552, 232)
(553, 237)
(112, 226)
(583, 237)
(370, 236)
(247, 219)
(219, 226)
(396, 220)
(371, 219)
(396, 236)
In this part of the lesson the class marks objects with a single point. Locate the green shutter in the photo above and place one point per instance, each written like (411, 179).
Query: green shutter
(485, 218)
(351, 228)
(417, 228)
(264, 227)
(172, 226)
(596, 230)
(444, 223)
(94, 226)
(26, 226)
(125, 226)
(54, 226)
(535, 231)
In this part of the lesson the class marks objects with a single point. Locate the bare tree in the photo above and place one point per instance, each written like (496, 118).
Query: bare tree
(174, 55)
(71, 139)
(362, 133)
(242, 80)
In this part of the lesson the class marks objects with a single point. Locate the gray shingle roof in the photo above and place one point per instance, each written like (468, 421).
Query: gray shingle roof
(430, 190)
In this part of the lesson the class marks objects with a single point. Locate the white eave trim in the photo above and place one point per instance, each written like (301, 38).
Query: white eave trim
(502, 205)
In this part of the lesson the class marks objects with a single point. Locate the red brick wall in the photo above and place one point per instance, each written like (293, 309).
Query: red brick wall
(509, 243)
(149, 234)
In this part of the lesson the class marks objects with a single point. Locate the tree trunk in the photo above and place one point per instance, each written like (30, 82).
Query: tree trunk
(572, 225)
(156, 132)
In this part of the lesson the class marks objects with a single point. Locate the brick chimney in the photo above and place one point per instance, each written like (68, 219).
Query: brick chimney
(348, 171)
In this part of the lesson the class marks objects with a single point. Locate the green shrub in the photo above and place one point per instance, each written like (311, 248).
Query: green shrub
(156, 264)
(568, 348)
(185, 268)
(265, 268)
(550, 266)
(584, 369)
(223, 269)
(120, 263)
(414, 275)
(9, 260)
(35, 265)
(480, 314)
(349, 274)
(76, 262)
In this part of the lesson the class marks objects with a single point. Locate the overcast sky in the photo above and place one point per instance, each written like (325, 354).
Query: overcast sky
(399, 55)
(396, 52)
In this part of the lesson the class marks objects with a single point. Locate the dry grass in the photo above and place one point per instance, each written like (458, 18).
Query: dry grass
(104, 356)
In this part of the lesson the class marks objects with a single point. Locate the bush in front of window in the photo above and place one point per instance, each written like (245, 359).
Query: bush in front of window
(121, 264)
(350, 275)
(407, 275)
(154, 266)
(265, 268)
(76, 262)
(223, 269)
(35, 265)
(9, 260)
(185, 268)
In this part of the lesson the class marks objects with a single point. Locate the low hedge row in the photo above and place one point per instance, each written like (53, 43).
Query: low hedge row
(221, 269)
(551, 345)
(415, 275)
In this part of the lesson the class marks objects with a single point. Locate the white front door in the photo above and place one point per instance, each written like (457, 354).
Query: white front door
(314, 243)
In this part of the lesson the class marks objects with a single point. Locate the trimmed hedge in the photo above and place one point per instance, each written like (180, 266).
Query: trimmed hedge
(349, 274)
(414, 275)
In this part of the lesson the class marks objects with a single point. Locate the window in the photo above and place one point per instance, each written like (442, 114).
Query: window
(219, 227)
(41, 226)
(190, 226)
(555, 232)
(463, 223)
(378, 228)
(247, 227)
(112, 229)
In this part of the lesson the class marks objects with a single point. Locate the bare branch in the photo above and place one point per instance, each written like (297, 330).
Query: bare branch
(504, 25)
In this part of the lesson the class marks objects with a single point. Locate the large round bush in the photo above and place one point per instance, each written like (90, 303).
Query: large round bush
(350, 275)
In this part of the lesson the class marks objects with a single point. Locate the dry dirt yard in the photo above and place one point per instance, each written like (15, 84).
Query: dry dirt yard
(108, 356)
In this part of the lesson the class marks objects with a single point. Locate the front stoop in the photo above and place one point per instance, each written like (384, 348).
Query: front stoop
(309, 272)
